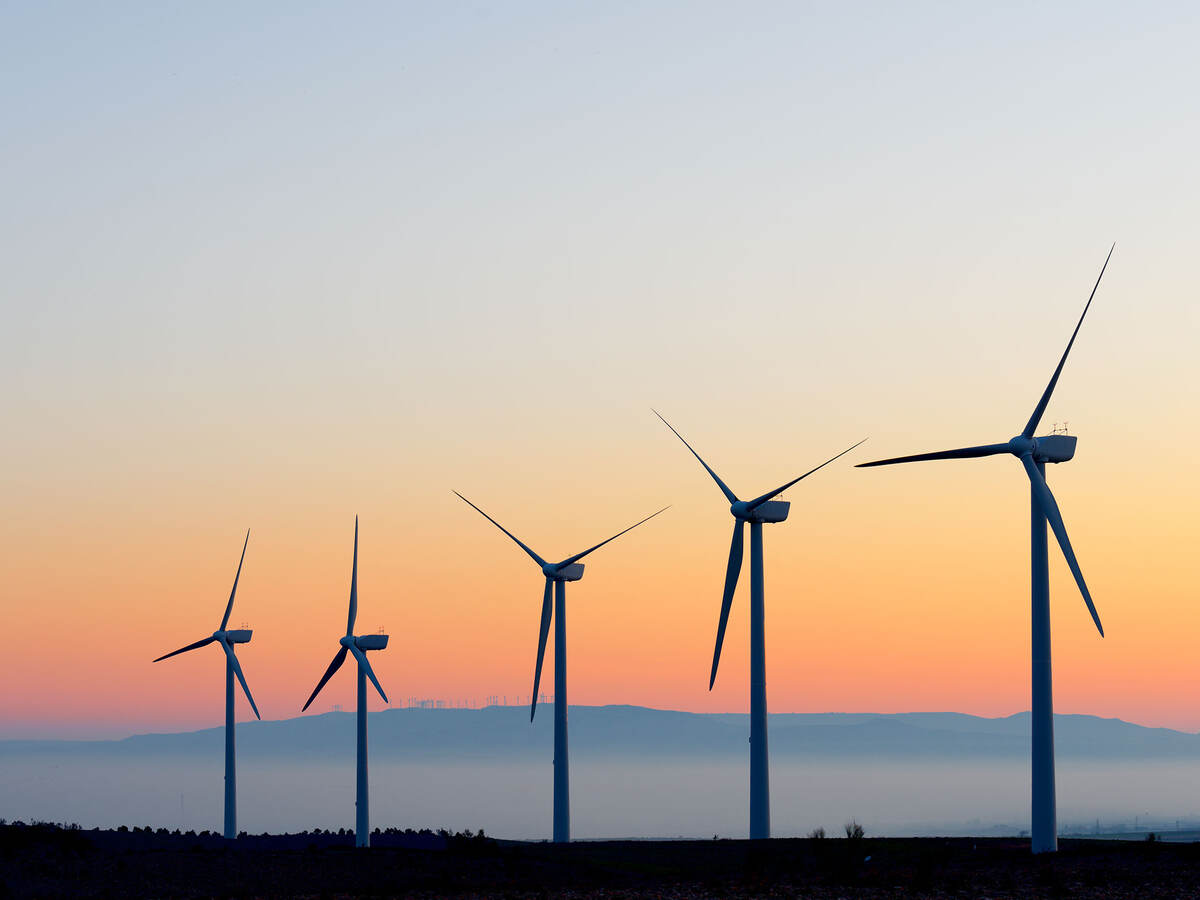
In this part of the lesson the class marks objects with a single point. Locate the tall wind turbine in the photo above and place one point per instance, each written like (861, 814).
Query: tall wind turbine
(232, 667)
(357, 645)
(1034, 453)
(757, 512)
(557, 575)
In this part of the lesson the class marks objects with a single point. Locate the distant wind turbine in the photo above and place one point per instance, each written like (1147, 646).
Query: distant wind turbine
(1034, 453)
(357, 645)
(232, 667)
(557, 574)
(758, 511)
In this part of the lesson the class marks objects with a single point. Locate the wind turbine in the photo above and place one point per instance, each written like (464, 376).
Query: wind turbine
(232, 667)
(1034, 453)
(357, 645)
(557, 575)
(759, 511)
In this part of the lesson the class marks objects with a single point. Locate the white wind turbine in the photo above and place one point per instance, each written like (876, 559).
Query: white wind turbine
(557, 575)
(1034, 453)
(358, 646)
(760, 511)
(233, 668)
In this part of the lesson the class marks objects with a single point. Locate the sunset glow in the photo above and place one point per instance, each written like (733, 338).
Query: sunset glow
(251, 297)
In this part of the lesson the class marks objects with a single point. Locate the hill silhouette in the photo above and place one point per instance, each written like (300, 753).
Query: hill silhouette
(500, 732)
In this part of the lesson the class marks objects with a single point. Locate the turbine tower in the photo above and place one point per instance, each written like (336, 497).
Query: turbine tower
(1034, 453)
(232, 667)
(357, 645)
(759, 511)
(557, 575)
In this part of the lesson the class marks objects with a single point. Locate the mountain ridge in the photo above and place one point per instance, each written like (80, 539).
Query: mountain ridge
(619, 730)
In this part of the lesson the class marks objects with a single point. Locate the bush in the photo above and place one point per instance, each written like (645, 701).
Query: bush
(817, 833)
(477, 844)
(854, 831)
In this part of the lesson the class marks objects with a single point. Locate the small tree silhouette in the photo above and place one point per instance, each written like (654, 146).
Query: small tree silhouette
(817, 833)
(854, 831)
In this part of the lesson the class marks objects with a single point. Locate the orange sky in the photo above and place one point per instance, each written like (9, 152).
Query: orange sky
(233, 303)
(887, 590)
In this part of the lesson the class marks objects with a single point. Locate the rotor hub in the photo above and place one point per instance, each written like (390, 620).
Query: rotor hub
(1020, 445)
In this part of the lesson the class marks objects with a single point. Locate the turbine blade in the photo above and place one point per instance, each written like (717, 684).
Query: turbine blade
(229, 605)
(207, 640)
(543, 633)
(759, 501)
(1054, 517)
(1040, 409)
(729, 495)
(537, 559)
(961, 453)
(731, 580)
(578, 556)
(353, 614)
(365, 664)
(338, 659)
(237, 670)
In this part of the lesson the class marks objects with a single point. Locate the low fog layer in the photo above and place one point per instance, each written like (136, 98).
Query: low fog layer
(634, 773)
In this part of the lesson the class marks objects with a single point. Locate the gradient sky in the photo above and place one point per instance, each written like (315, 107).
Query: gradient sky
(272, 266)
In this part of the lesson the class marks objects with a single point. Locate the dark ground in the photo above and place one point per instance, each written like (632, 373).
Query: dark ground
(46, 861)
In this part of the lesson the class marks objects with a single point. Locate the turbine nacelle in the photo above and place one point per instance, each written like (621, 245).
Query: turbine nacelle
(573, 572)
(1050, 448)
(233, 636)
(364, 641)
(1055, 448)
(770, 511)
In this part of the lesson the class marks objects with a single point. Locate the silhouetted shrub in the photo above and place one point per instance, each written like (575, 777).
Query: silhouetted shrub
(854, 831)
(817, 833)
(477, 844)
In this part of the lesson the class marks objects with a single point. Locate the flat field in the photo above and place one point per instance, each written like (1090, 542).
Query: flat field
(45, 861)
